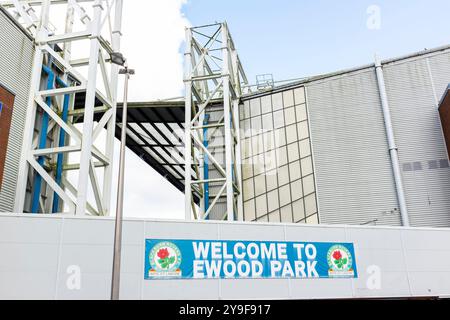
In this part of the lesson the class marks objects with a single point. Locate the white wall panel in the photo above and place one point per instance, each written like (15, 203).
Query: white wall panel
(412, 262)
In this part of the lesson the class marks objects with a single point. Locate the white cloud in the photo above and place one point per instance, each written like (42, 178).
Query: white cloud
(153, 32)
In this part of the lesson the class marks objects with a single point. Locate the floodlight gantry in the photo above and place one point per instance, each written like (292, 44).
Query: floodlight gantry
(214, 79)
(50, 134)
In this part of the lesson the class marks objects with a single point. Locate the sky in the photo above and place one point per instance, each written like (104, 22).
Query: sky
(289, 39)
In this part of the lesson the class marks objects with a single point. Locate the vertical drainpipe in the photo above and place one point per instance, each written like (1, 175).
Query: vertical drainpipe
(43, 141)
(393, 150)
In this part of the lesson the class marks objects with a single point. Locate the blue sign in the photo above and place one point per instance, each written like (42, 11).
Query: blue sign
(1, 107)
(212, 259)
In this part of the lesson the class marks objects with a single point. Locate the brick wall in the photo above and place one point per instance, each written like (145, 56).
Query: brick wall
(444, 111)
(7, 101)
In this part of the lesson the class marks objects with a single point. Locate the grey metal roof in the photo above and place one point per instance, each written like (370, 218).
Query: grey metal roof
(155, 134)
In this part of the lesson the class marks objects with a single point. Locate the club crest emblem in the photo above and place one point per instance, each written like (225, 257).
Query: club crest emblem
(165, 260)
(340, 262)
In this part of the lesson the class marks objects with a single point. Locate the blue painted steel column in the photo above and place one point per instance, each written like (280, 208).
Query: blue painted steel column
(206, 164)
(62, 141)
(42, 143)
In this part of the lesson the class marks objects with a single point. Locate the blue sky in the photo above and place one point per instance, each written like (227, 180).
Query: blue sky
(289, 39)
(292, 39)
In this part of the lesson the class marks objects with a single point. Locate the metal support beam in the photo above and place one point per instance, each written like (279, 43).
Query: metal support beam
(59, 135)
(393, 150)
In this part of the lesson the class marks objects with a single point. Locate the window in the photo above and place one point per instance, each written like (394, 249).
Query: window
(272, 200)
(256, 125)
(278, 173)
(297, 190)
(293, 153)
(266, 104)
(310, 204)
(278, 119)
(269, 140)
(267, 121)
(291, 134)
(294, 171)
(277, 101)
(300, 111)
(307, 168)
(308, 184)
(299, 210)
(285, 195)
(246, 109)
(248, 189)
(274, 216)
(299, 95)
(288, 98)
(255, 107)
(289, 115)
(260, 185)
(282, 156)
(302, 128)
(286, 214)
(305, 149)
(283, 175)
(261, 206)
(271, 180)
(249, 210)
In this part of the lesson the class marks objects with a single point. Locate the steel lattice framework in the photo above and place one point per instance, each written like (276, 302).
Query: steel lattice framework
(214, 79)
(58, 81)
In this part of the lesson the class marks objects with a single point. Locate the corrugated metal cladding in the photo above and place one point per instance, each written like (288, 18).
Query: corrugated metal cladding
(414, 88)
(353, 170)
(15, 71)
(444, 113)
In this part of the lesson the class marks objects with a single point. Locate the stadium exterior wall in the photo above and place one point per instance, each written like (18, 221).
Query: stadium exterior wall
(40, 254)
(352, 169)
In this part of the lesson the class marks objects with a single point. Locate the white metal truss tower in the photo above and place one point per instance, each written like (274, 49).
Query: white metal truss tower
(214, 79)
(51, 133)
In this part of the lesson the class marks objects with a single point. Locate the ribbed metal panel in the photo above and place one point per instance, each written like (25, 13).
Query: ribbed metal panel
(352, 164)
(419, 136)
(16, 52)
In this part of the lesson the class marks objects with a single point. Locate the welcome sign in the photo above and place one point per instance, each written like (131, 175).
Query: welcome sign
(212, 259)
